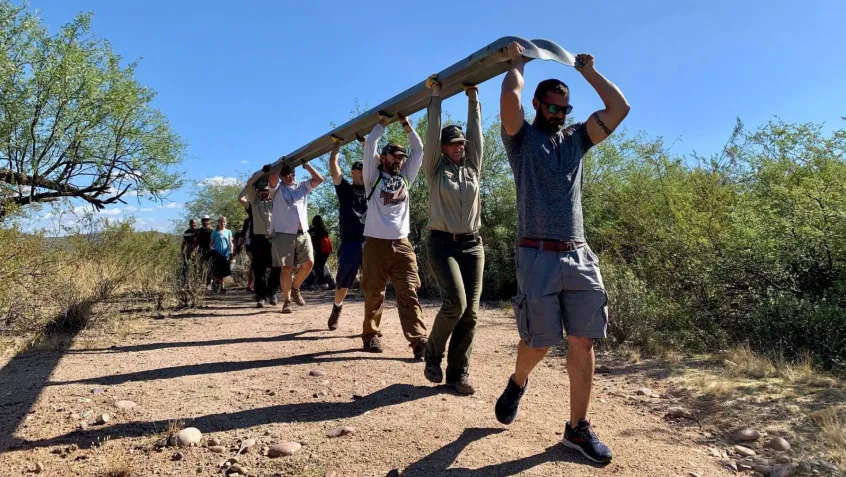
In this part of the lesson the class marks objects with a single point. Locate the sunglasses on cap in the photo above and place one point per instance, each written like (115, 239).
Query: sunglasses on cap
(555, 109)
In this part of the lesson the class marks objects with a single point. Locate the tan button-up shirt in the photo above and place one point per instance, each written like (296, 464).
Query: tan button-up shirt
(454, 202)
(262, 210)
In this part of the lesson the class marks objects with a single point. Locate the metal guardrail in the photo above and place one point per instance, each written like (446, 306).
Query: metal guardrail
(477, 68)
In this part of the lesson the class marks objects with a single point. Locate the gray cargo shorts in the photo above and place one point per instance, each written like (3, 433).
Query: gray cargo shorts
(559, 291)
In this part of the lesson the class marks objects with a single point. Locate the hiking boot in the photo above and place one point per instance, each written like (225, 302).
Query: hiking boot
(583, 439)
(509, 402)
(260, 303)
(463, 385)
(287, 308)
(335, 316)
(373, 345)
(419, 349)
(297, 297)
(274, 300)
(433, 373)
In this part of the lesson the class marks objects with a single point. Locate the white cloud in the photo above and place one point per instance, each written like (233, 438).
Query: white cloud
(130, 208)
(171, 205)
(218, 181)
(145, 209)
(245, 162)
(113, 191)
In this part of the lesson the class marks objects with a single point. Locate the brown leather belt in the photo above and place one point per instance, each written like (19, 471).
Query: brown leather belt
(551, 245)
(471, 237)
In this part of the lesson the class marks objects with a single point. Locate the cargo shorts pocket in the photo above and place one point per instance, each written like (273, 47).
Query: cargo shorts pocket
(520, 304)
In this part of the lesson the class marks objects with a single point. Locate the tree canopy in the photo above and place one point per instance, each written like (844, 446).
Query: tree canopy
(74, 121)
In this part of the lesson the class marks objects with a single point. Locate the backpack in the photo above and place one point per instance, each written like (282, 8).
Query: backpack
(325, 245)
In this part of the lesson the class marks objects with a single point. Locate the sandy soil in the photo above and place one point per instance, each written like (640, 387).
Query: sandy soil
(236, 372)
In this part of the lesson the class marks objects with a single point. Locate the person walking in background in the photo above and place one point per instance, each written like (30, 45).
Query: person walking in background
(189, 248)
(352, 213)
(222, 247)
(204, 254)
(387, 252)
(452, 165)
(322, 246)
(291, 246)
(258, 194)
(559, 283)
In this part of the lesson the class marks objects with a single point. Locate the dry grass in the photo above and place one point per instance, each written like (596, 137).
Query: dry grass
(118, 466)
(796, 396)
(832, 424)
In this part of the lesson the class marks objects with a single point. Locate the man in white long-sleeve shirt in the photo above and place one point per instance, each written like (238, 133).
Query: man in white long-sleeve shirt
(387, 252)
(291, 245)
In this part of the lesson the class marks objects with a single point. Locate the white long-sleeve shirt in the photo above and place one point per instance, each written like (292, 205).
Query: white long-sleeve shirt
(290, 207)
(387, 209)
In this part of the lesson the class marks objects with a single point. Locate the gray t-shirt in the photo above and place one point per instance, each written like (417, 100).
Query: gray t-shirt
(548, 175)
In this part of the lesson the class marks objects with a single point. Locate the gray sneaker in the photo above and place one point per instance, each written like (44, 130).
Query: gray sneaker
(297, 297)
(274, 300)
(287, 308)
(464, 385)
(260, 303)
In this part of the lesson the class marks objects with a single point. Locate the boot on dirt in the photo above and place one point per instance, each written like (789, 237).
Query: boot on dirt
(287, 308)
(463, 385)
(419, 350)
(433, 373)
(274, 300)
(260, 303)
(335, 316)
(374, 345)
(297, 297)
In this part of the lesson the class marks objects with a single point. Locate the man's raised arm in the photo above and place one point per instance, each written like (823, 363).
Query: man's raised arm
(316, 178)
(371, 159)
(334, 168)
(510, 109)
(603, 122)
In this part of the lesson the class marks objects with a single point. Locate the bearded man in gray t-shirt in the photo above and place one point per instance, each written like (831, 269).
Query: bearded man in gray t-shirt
(560, 286)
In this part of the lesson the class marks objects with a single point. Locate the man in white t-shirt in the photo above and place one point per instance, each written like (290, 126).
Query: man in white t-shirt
(291, 245)
(387, 252)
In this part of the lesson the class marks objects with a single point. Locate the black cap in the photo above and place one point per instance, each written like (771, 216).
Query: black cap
(286, 169)
(394, 149)
(357, 166)
(452, 134)
(262, 185)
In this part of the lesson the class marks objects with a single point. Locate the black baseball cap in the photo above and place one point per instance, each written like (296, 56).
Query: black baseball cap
(394, 149)
(357, 166)
(452, 134)
(286, 169)
(262, 185)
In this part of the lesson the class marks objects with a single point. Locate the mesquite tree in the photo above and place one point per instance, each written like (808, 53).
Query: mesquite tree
(74, 122)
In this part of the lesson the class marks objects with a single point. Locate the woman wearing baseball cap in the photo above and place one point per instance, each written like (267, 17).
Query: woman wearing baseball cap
(452, 164)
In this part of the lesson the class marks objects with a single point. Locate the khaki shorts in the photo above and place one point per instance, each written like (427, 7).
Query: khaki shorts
(559, 291)
(292, 250)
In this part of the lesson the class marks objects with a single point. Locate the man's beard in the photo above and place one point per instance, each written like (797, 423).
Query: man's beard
(543, 124)
(393, 170)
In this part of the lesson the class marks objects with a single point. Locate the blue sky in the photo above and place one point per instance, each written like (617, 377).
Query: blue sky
(247, 82)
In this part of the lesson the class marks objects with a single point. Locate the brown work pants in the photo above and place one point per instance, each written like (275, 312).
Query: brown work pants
(395, 259)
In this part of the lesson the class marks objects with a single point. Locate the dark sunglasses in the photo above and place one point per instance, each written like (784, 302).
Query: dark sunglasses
(555, 109)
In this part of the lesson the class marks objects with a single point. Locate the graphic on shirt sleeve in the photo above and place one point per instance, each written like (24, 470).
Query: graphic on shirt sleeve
(394, 191)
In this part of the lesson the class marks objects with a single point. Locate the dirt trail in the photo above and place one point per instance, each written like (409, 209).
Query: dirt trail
(235, 372)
